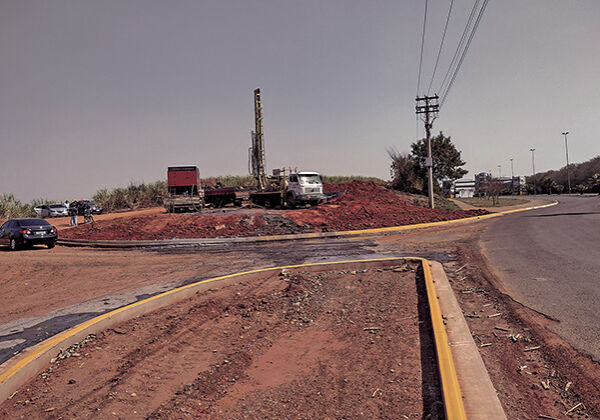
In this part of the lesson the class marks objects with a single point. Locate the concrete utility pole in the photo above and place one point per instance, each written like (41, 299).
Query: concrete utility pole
(533, 170)
(430, 109)
(512, 176)
(567, 152)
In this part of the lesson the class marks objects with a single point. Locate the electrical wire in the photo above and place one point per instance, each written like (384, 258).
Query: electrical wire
(445, 95)
(460, 45)
(437, 60)
(422, 47)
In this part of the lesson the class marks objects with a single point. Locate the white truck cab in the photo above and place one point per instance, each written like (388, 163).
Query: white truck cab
(304, 188)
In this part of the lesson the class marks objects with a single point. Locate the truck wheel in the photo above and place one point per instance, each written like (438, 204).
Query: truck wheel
(13, 244)
(290, 201)
(51, 244)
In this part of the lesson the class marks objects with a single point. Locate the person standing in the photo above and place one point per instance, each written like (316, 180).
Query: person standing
(73, 214)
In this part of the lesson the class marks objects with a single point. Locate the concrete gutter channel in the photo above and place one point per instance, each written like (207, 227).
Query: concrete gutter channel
(466, 387)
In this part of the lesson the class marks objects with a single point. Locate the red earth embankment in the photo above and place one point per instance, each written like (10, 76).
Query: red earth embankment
(359, 205)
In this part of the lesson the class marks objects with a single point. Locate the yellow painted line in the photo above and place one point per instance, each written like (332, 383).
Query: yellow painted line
(450, 387)
(443, 222)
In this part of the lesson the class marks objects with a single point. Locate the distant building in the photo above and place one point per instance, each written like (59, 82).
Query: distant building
(467, 188)
(464, 188)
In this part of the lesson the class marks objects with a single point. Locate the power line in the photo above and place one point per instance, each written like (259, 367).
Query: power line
(460, 45)
(445, 95)
(437, 60)
(422, 47)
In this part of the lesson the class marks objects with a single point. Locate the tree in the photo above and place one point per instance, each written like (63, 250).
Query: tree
(494, 187)
(405, 173)
(446, 158)
(594, 182)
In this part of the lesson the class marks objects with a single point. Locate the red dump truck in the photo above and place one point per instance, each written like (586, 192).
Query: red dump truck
(185, 191)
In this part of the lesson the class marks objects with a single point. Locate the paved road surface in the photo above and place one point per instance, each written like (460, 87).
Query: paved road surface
(549, 260)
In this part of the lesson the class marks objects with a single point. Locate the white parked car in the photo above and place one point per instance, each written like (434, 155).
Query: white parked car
(51, 210)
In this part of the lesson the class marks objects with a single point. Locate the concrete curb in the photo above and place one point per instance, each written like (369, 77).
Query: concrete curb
(480, 398)
(272, 238)
(17, 371)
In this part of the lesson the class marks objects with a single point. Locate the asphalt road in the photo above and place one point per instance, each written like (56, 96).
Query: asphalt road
(549, 260)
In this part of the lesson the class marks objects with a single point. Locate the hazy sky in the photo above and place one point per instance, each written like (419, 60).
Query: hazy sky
(99, 94)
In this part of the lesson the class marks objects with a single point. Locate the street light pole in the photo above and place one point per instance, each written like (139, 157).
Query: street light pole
(567, 153)
(512, 176)
(533, 170)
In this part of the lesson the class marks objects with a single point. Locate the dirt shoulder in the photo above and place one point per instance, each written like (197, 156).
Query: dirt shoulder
(37, 281)
(534, 371)
(338, 344)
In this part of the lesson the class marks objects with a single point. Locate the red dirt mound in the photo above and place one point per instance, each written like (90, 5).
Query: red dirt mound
(360, 205)
(364, 205)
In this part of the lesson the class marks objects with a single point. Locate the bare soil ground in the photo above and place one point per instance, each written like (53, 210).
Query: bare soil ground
(517, 374)
(37, 281)
(360, 205)
(342, 344)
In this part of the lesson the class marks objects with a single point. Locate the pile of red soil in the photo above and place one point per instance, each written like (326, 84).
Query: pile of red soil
(365, 205)
(181, 226)
(359, 205)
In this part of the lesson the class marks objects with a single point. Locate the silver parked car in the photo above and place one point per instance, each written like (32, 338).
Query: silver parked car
(51, 210)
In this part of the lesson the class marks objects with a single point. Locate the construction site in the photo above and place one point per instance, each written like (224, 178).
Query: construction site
(294, 299)
(317, 260)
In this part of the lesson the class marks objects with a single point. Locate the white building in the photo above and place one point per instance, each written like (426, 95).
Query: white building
(464, 188)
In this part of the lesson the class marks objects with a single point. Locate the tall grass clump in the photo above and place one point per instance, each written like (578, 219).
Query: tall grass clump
(335, 179)
(11, 207)
(233, 181)
(134, 196)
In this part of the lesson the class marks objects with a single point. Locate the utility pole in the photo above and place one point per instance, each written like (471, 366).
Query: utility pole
(533, 170)
(512, 176)
(430, 109)
(567, 152)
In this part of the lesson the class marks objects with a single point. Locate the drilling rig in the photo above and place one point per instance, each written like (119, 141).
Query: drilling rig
(257, 151)
(286, 186)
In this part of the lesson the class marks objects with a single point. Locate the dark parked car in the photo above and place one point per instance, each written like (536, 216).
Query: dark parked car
(26, 232)
(83, 205)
